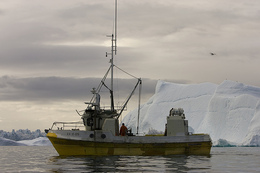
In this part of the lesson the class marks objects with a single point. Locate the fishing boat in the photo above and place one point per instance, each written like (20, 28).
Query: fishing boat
(98, 133)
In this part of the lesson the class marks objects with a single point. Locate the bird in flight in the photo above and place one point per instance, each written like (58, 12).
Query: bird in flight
(211, 53)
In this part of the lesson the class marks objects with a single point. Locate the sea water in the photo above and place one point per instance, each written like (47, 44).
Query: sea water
(45, 159)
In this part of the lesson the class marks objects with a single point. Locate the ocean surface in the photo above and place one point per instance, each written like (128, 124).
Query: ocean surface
(45, 159)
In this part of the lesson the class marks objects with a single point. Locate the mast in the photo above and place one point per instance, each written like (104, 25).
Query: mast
(112, 74)
(115, 25)
(113, 53)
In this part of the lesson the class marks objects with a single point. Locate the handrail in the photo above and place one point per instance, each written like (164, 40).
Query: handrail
(68, 125)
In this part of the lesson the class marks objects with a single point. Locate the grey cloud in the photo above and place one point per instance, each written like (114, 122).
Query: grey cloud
(88, 12)
(54, 60)
(1, 12)
(49, 89)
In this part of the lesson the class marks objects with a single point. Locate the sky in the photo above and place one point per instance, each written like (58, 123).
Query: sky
(52, 53)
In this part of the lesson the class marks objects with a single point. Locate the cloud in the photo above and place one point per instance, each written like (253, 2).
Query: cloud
(53, 89)
(1, 12)
(47, 60)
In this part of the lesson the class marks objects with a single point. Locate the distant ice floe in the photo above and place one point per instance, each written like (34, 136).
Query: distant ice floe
(41, 141)
(229, 112)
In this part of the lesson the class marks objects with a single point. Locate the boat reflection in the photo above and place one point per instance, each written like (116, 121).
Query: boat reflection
(174, 163)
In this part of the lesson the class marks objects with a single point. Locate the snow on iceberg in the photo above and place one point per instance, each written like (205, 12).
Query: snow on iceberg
(229, 111)
(253, 135)
(193, 99)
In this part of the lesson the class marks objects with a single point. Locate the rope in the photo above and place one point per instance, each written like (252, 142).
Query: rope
(126, 72)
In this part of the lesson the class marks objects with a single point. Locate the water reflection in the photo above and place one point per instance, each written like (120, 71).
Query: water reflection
(179, 163)
(37, 159)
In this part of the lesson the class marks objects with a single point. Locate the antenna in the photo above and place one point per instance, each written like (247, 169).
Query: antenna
(115, 25)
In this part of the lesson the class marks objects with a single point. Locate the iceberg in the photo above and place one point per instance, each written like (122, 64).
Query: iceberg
(22, 134)
(23, 137)
(228, 112)
(223, 143)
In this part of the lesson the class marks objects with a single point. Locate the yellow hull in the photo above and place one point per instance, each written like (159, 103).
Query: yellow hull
(66, 147)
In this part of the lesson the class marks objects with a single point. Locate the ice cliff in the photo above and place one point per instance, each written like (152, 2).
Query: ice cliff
(229, 111)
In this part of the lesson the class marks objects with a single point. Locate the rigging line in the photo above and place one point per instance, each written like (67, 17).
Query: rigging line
(123, 103)
(106, 85)
(100, 84)
(103, 80)
(117, 85)
(126, 72)
(123, 107)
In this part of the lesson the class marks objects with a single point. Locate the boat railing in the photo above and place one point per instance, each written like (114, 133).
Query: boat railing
(118, 108)
(68, 126)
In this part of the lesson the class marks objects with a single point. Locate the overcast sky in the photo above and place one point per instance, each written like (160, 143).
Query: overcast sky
(52, 52)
